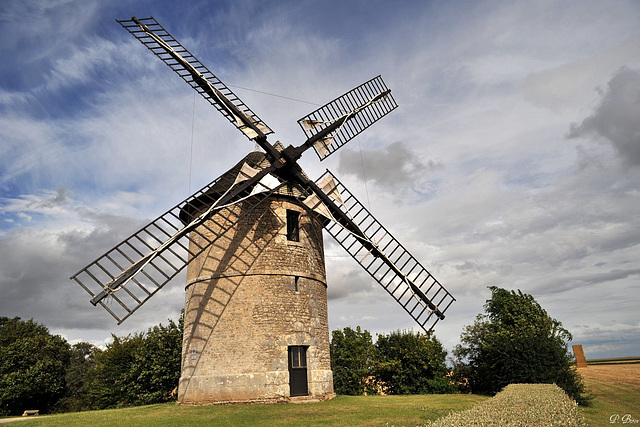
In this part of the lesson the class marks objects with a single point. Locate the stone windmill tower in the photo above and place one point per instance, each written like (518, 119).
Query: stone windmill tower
(256, 326)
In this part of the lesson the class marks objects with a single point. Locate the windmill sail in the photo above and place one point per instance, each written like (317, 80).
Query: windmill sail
(333, 125)
(383, 257)
(134, 270)
(158, 40)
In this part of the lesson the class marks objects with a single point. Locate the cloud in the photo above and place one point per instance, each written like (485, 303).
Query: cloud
(84, 65)
(42, 30)
(96, 135)
(46, 201)
(570, 283)
(37, 257)
(616, 118)
(34, 275)
(347, 280)
(610, 337)
(568, 83)
(390, 167)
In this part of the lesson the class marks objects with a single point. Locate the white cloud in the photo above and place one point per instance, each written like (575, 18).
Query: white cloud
(568, 84)
(35, 32)
(84, 65)
(493, 193)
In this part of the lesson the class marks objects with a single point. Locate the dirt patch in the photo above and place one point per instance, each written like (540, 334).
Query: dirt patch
(621, 373)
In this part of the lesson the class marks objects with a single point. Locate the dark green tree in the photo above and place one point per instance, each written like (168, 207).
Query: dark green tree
(466, 370)
(108, 382)
(352, 360)
(412, 363)
(139, 369)
(82, 361)
(516, 341)
(155, 371)
(32, 366)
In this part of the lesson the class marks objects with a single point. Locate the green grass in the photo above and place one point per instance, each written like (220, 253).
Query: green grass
(611, 398)
(342, 411)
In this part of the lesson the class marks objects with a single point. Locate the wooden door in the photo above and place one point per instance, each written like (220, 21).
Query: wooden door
(298, 385)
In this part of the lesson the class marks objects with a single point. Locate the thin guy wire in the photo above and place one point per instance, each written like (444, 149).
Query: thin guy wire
(273, 94)
(193, 120)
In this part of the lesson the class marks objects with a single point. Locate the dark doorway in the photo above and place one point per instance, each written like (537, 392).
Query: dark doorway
(298, 371)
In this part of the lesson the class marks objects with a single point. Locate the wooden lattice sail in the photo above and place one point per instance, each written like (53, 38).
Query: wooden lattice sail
(252, 246)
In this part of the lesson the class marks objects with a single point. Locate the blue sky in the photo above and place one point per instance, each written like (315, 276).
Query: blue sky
(513, 159)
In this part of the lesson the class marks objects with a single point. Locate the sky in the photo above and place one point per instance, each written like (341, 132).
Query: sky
(513, 159)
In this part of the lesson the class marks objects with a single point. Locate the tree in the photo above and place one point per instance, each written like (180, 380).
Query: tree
(352, 359)
(155, 372)
(108, 381)
(138, 369)
(412, 363)
(82, 361)
(32, 366)
(516, 341)
(466, 369)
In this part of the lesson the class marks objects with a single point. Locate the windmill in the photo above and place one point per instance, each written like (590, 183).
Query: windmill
(255, 321)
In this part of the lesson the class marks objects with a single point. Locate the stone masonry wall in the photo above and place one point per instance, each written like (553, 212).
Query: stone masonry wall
(248, 298)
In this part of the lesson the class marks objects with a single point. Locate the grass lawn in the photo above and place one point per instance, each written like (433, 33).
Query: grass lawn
(616, 389)
(342, 411)
(611, 398)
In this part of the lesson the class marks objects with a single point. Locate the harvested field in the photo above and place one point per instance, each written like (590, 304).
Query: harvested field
(615, 389)
(620, 373)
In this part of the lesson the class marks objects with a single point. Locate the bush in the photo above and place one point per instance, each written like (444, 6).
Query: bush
(155, 372)
(41, 371)
(108, 382)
